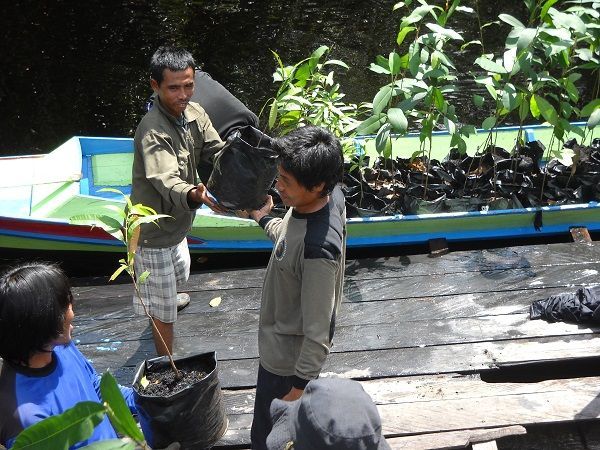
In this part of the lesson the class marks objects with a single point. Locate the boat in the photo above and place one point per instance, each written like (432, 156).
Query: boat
(40, 193)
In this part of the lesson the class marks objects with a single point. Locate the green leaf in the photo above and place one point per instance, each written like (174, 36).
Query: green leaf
(273, 114)
(119, 413)
(76, 424)
(444, 31)
(143, 277)
(398, 120)
(336, 62)
(571, 21)
(506, 18)
(478, 100)
(545, 8)
(468, 130)
(489, 123)
(403, 33)
(546, 109)
(474, 42)
(594, 119)
(588, 109)
(378, 69)
(526, 36)
(523, 107)
(117, 209)
(414, 63)
(489, 65)
(383, 142)
(533, 106)
(382, 98)
(394, 60)
(118, 272)
(316, 56)
(370, 125)
(113, 190)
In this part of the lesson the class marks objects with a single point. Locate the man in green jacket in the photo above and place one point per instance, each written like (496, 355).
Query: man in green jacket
(169, 142)
(303, 284)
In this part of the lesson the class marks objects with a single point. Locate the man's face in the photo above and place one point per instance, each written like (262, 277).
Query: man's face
(294, 194)
(175, 90)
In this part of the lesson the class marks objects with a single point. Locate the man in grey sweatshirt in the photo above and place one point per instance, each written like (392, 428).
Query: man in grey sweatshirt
(302, 289)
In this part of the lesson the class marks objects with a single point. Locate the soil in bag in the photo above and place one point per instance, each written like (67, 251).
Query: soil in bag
(189, 410)
(244, 170)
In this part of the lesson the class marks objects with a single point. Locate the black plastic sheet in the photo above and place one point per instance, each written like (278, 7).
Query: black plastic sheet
(194, 417)
(578, 307)
(244, 170)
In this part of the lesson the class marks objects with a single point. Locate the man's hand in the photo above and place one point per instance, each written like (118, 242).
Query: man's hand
(200, 195)
(265, 209)
(294, 394)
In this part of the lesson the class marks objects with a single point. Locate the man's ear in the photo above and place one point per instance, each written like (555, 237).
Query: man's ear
(154, 84)
(319, 188)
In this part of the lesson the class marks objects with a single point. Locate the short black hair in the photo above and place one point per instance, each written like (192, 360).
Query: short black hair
(313, 155)
(172, 58)
(34, 299)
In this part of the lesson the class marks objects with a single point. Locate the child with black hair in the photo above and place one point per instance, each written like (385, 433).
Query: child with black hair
(43, 372)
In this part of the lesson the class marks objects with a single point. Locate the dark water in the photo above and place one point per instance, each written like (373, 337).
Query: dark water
(80, 67)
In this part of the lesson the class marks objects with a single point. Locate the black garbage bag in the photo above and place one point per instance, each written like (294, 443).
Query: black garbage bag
(194, 417)
(244, 170)
(578, 307)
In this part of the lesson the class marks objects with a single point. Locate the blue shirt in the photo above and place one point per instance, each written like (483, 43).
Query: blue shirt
(28, 395)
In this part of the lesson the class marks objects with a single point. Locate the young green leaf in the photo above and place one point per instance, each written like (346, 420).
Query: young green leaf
(62, 431)
(398, 120)
(382, 98)
(506, 18)
(119, 413)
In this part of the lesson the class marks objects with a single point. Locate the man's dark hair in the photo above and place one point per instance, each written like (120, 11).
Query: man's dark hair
(34, 298)
(172, 58)
(313, 156)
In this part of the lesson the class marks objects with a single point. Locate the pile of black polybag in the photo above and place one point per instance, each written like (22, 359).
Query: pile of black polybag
(581, 306)
(493, 180)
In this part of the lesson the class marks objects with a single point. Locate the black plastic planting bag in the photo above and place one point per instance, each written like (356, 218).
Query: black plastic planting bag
(581, 306)
(244, 170)
(194, 417)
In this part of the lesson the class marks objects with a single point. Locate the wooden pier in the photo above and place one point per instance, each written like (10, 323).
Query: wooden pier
(443, 345)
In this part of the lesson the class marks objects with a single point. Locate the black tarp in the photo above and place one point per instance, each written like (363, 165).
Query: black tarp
(581, 306)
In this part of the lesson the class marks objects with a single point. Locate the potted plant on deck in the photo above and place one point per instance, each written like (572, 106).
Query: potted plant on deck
(178, 400)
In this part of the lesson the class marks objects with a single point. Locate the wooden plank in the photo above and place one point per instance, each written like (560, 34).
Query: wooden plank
(193, 335)
(490, 445)
(549, 401)
(453, 439)
(483, 288)
(468, 283)
(465, 358)
(531, 257)
(410, 406)
(580, 235)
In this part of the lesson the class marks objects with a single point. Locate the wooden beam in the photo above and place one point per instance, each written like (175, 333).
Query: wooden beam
(438, 247)
(580, 234)
(453, 439)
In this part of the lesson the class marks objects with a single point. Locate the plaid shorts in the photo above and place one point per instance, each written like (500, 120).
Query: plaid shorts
(168, 267)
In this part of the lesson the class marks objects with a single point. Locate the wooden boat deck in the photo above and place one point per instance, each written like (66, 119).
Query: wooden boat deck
(444, 345)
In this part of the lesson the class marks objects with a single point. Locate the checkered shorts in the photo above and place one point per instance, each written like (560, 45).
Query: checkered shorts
(168, 267)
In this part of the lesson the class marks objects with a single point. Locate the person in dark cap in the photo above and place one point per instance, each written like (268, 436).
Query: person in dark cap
(333, 413)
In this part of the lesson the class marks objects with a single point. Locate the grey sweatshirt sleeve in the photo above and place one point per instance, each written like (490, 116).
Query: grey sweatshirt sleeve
(318, 304)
